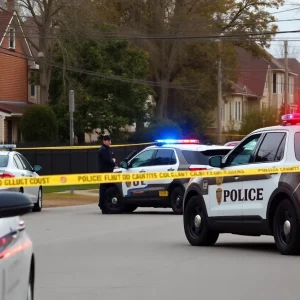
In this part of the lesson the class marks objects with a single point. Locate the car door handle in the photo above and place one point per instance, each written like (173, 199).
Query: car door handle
(236, 177)
(142, 171)
(171, 169)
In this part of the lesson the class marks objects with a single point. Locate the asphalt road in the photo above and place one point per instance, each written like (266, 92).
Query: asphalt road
(82, 254)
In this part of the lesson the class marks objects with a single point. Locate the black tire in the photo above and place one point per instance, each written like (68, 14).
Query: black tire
(109, 207)
(286, 243)
(201, 236)
(129, 208)
(30, 289)
(39, 204)
(176, 200)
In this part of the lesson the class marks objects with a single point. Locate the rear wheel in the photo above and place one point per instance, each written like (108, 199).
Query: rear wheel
(196, 226)
(286, 229)
(112, 201)
(176, 199)
(39, 204)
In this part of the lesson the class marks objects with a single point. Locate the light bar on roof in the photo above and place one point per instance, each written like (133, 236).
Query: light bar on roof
(181, 141)
(7, 146)
(290, 118)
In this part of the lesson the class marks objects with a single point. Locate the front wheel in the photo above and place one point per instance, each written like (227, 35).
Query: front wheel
(39, 203)
(196, 226)
(286, 229)
(112, 203)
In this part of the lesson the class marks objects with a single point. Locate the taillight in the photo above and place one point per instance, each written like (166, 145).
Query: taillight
(7, 175)
(197, 169)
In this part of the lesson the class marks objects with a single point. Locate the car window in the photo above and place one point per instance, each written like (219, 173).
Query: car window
(202, 157)
(27, 165)
(3, 161)
(271, 148)
(242, 153)
(144, 159)
(297, 145)
(164, 157)
(18, 163)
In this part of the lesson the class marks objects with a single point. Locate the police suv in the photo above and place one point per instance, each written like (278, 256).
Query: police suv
(262, 204)
(164, 156)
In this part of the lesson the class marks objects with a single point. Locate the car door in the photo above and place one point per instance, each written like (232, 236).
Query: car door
(258, 188)
(226, 193)
(165, 160)
(11, 260)
(27, 171)
(138, 164)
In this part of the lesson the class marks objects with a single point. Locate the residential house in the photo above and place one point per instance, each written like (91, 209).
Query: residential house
(294, 66)
(260, 84)
(17, 66)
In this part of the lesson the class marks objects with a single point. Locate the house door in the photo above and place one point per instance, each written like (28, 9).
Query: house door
(9, 131)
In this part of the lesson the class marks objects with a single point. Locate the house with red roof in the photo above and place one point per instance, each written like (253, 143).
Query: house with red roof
(260, 85)
(17, 67)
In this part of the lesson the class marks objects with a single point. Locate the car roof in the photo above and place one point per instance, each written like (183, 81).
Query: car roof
(191, 147)
(292, 128)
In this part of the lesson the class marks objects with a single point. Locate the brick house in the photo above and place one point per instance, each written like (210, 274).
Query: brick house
(17, 65)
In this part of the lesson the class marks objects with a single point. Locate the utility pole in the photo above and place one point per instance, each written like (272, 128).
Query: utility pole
(219, 107)
(71, 110)
(286, 77)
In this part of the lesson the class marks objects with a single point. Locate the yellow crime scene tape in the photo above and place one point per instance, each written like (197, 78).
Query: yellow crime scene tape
(114, 177)
(80, 147)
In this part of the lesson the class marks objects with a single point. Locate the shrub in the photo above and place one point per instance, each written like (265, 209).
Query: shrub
(39, 124)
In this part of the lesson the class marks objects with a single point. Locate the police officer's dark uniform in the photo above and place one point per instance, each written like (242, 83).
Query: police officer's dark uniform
(106, 164)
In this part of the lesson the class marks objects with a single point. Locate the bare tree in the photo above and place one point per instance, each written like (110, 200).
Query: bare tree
(165, 19)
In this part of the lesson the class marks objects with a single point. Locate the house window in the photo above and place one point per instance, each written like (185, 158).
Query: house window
(274, 83)
(32, 84)
(32, 90)
(237, 111)
(12, 38)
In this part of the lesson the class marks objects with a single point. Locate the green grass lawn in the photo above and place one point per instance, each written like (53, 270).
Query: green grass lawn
(60, 188)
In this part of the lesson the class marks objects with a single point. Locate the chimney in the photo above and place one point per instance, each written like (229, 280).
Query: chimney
(10, 4)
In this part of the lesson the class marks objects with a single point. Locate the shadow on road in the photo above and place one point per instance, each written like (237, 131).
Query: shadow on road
(266, 247)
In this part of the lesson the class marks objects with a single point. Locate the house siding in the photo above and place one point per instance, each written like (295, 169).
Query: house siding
(14, 70)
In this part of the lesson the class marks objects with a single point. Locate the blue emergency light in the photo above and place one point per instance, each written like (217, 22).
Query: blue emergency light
(7, 147)
(173, 141)
(290, 119)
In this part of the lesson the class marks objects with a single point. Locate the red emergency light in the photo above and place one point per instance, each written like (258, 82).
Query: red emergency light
(291, 119)
(181, 141)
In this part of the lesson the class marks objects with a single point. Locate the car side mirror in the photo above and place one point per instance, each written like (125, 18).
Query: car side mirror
(37, 168)
(215, 161)
(124, 164)
(14, 204)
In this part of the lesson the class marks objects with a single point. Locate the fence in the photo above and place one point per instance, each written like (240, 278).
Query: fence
(71, 161)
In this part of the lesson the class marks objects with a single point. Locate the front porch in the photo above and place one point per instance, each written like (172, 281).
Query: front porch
(10, 117)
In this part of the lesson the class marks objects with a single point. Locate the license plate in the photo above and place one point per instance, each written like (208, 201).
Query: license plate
(163, 193)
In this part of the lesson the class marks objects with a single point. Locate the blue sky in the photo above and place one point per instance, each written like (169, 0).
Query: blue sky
(276, 48)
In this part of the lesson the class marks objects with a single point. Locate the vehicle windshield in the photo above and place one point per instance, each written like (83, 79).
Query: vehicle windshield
(3, 161)
(202, 157)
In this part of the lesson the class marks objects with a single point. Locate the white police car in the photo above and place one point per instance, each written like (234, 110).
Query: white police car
(17, 258)
(14, 164)
(265, 204)
(164, 156)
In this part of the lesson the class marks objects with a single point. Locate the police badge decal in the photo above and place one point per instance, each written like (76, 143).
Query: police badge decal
(128, 184)
(219, 181)
(219, 195)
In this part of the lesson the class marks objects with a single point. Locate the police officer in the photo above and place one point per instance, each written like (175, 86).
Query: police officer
(106, 163)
